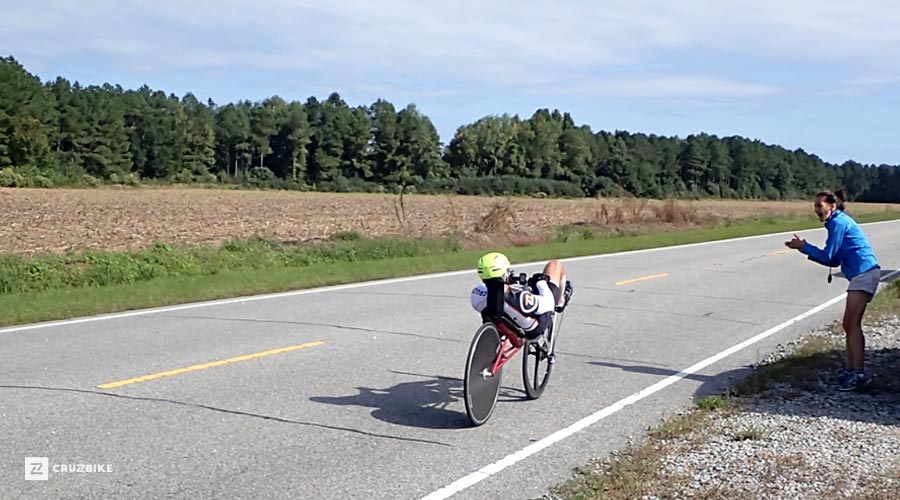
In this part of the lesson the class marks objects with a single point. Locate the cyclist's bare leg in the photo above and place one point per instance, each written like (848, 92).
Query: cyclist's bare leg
(554, 269)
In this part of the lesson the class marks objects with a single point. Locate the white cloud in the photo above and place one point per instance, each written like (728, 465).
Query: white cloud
(666, 86)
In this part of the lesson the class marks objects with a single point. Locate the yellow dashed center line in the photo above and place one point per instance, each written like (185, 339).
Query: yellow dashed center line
(780, 252)
(642, 278)
(211, 364)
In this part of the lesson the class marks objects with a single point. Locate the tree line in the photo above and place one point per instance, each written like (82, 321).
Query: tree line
(58, 133)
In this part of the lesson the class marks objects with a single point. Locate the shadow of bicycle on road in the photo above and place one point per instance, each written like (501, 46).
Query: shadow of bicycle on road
(433, 403)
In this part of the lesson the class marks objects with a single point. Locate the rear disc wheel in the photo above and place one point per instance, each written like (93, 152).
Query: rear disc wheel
(481, 387)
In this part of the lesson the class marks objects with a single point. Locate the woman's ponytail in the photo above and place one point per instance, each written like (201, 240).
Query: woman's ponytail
(837, 197)
(840, 198)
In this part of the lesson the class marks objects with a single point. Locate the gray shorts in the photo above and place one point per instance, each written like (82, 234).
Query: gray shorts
(866, 282)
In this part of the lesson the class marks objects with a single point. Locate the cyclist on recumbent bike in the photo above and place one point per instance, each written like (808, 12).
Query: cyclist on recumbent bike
(528, 302)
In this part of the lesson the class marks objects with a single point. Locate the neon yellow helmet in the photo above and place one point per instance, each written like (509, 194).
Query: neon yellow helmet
(493, 265)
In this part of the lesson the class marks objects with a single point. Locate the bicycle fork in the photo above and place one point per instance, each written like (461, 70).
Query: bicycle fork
(543, 352)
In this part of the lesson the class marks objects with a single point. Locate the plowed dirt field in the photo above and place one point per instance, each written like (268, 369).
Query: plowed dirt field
(57, 220)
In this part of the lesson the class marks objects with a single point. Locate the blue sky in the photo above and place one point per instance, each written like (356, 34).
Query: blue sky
(823, 76)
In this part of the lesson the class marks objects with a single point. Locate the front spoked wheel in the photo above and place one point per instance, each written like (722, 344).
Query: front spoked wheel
(539, 359)
(481, 387)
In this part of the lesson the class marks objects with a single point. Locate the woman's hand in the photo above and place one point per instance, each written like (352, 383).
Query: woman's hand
(796, 243)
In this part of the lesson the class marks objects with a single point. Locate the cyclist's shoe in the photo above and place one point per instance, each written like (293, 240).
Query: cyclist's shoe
(551, 358)
(567, 295)
(854, 381)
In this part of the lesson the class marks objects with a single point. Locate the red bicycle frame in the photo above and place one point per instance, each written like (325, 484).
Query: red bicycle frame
(512, 344)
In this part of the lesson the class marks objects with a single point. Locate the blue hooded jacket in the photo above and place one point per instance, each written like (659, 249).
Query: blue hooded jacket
(846, 246)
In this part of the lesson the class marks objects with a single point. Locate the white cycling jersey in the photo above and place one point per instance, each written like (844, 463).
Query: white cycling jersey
(520, 305)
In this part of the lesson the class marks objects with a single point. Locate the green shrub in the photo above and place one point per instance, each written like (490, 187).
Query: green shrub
(184, 176)
(511, 185)
(261, 175)
(710, 403)
(571, 232)
(9, 178)
(89, 180)
(42, 182)
(346, 236)
(207, 178)
(352, 185)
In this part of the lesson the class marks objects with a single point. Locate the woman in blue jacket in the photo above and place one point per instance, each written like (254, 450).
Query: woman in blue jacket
(848, 247)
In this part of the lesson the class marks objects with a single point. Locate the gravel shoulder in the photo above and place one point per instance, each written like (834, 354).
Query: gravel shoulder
(805, 442)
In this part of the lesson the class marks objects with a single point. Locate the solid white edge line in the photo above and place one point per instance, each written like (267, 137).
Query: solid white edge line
(235, 300)
(491, 469)
(140, 312)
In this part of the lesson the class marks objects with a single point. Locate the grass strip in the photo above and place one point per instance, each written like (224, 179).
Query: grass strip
(353, 260)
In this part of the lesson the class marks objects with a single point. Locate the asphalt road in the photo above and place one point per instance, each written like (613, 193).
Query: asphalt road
(355, 391)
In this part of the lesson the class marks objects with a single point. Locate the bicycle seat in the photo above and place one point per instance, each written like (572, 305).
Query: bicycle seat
(507, 326)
